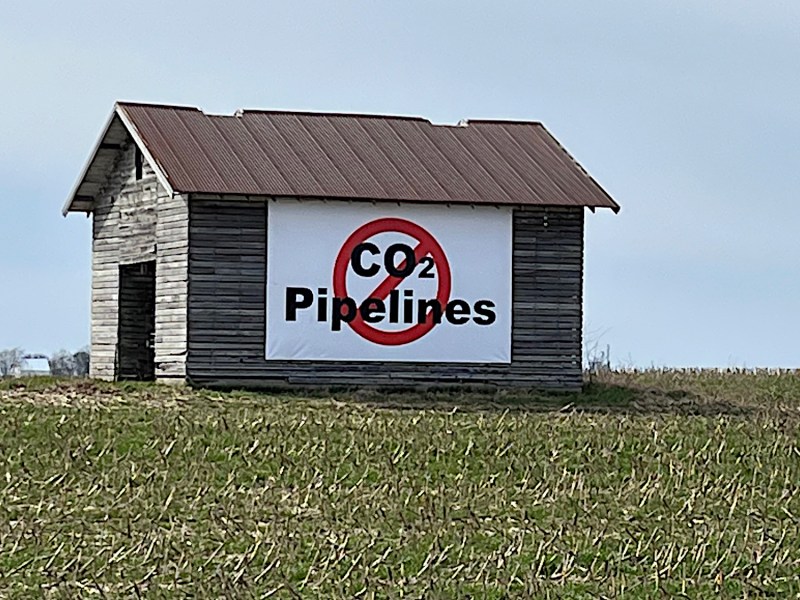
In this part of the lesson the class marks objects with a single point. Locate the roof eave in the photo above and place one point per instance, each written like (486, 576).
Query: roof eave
(594, 207)
(67, 208)
(231, 195)
(616, 207)
(611, 203)
(119, 111)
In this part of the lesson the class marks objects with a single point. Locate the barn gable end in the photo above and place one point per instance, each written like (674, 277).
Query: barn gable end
(136, 221)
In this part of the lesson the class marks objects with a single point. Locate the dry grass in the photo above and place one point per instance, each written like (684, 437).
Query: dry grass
(647, 485)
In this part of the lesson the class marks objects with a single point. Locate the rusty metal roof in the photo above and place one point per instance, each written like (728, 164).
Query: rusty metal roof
(275, 153)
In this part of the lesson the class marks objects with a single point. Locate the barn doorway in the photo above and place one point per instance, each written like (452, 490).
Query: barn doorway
(137, 322)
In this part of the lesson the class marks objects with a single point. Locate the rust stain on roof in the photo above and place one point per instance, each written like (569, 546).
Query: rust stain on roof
(279, 153)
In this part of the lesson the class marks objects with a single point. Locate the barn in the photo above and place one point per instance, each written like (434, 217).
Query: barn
(272, 248)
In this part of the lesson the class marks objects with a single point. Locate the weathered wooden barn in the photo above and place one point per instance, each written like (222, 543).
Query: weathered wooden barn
(181, 203)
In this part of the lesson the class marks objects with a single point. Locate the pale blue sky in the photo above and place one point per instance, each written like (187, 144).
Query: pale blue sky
(687, 112)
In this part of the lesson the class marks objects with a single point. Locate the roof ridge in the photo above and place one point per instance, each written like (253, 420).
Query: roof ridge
(314, 113)
(242, 112)
(126, 103)
(502, 122)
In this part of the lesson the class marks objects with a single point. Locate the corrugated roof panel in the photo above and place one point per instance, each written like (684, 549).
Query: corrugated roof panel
(569, 182)
(533, 175)
(311, 154)
(357, 156)
(205, 157)
(472, 170)
(250, 155)
(567, 169)
(376, 158)
(498, 161)
(223, 158)
(277, 151)
(349, 165)
(447, 177)
(557, 167)
(155, 135)
(408, 161)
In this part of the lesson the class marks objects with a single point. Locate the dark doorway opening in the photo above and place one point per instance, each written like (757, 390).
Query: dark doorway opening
(137, 322)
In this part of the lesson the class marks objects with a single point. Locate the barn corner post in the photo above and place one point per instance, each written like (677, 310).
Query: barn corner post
(442, 256)
(172, 289)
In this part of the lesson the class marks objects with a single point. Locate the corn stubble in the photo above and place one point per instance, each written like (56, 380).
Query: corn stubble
(651, 484)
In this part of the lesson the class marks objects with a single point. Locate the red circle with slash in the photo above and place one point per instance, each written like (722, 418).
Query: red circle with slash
(427, 245)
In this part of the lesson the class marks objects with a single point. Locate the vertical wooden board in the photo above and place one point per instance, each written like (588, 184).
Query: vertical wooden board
(172, 235)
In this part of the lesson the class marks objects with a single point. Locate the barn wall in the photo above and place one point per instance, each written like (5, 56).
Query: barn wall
(137, 221)
(123, 232)
(226, 332)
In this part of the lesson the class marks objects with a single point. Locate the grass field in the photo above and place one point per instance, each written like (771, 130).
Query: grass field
(657, 484)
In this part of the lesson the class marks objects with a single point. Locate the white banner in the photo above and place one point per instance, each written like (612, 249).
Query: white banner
(388, 282)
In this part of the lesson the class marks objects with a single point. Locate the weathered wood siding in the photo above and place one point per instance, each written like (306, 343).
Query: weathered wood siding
(172, 260)
(226, 333)
(136, 221)
(124, 218)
